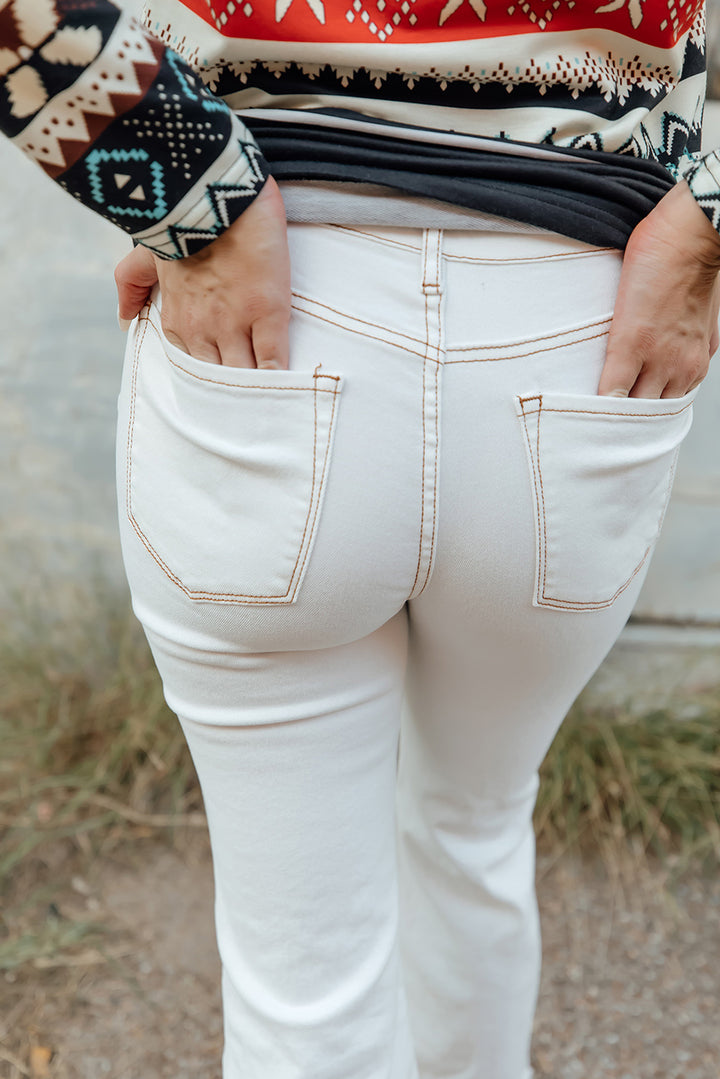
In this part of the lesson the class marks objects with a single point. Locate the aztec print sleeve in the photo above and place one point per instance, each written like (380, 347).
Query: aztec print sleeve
(703, 179)
(123, 124)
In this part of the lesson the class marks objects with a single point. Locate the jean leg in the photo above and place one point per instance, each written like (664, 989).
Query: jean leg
(300, 813)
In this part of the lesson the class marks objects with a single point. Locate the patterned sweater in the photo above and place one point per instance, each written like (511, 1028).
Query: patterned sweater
(145, 125)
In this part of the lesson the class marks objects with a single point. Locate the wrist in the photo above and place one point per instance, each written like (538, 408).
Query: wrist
(679, 223)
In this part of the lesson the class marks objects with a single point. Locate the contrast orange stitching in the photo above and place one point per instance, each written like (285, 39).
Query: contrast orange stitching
(560, 255)
(354, 318)
(232, 385)
(623, 415)
(424, 433)
(360, 333)
(542, 495)
(131, 517)
(536, 500)
(317, 497)
(523, 355)
(437, 258)
(543, 508)
(293, 578)
(131, 419)
(533, 340)
(437, 444)
(335, 378)
(541, 513)
(589, 605)
(380, 239)
(595, 605)
(435, 283)
(229, 597)
(438, 268)
(224, 597)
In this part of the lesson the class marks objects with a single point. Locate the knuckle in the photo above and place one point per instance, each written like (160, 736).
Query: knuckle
(261, 306)
(690, 364)
(645, 346)
(619, 372)
(171, 329)
(696, 370)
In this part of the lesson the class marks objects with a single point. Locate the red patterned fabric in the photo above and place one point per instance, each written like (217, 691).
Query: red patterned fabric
(654, 22)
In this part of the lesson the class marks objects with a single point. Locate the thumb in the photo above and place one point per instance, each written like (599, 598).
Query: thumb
(135, 276)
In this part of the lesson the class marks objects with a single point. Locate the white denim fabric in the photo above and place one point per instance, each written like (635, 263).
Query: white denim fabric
(373, 585)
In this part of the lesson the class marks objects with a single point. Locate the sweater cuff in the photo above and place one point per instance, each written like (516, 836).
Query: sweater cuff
(124, 125)
(703, 179)
(225, 190)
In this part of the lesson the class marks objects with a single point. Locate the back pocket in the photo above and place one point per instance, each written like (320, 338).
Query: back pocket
(602, 470)
(226, 470)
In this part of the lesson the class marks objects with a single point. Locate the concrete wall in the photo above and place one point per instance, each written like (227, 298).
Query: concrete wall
(60, 359)
(713, 47)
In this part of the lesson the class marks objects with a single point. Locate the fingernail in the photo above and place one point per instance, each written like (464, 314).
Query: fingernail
(617, 393)
(123, 323)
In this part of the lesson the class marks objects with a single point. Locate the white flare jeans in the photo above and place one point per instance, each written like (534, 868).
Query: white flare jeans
(373, 584)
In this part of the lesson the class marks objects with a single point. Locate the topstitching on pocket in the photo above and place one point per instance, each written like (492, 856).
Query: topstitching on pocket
(226, 470)
(601, 470)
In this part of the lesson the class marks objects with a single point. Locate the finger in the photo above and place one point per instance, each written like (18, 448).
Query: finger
(690, 376)
(199, 349)
(679, 389)
(135, 276)
(670, 393)
(270, 341)
(237, 352)
(189, 339)
(173, 336)
(618, 375)
(175, 339)
(649, 385)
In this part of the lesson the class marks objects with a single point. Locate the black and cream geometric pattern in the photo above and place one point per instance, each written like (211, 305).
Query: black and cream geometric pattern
(122, 123)
(704, 181)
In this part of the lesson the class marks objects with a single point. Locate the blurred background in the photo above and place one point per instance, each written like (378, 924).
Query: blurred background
(107, 958)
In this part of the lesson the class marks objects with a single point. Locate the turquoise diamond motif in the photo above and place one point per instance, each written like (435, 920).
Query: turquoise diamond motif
(145, 185)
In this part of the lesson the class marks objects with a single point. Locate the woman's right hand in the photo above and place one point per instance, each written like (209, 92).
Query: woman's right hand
(229, 303)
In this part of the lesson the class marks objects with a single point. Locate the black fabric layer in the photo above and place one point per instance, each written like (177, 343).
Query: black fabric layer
(590, 195)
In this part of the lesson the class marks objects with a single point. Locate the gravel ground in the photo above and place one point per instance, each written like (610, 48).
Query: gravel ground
(631, 980)
(630, 985)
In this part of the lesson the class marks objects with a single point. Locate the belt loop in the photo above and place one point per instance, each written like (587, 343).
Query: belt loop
(432, 262)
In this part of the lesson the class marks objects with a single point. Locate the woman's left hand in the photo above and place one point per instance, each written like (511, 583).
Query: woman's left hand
(665, 325)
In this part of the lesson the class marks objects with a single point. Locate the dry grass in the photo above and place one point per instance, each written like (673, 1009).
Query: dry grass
(92, 757)
(87, 746)
(652, 783)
